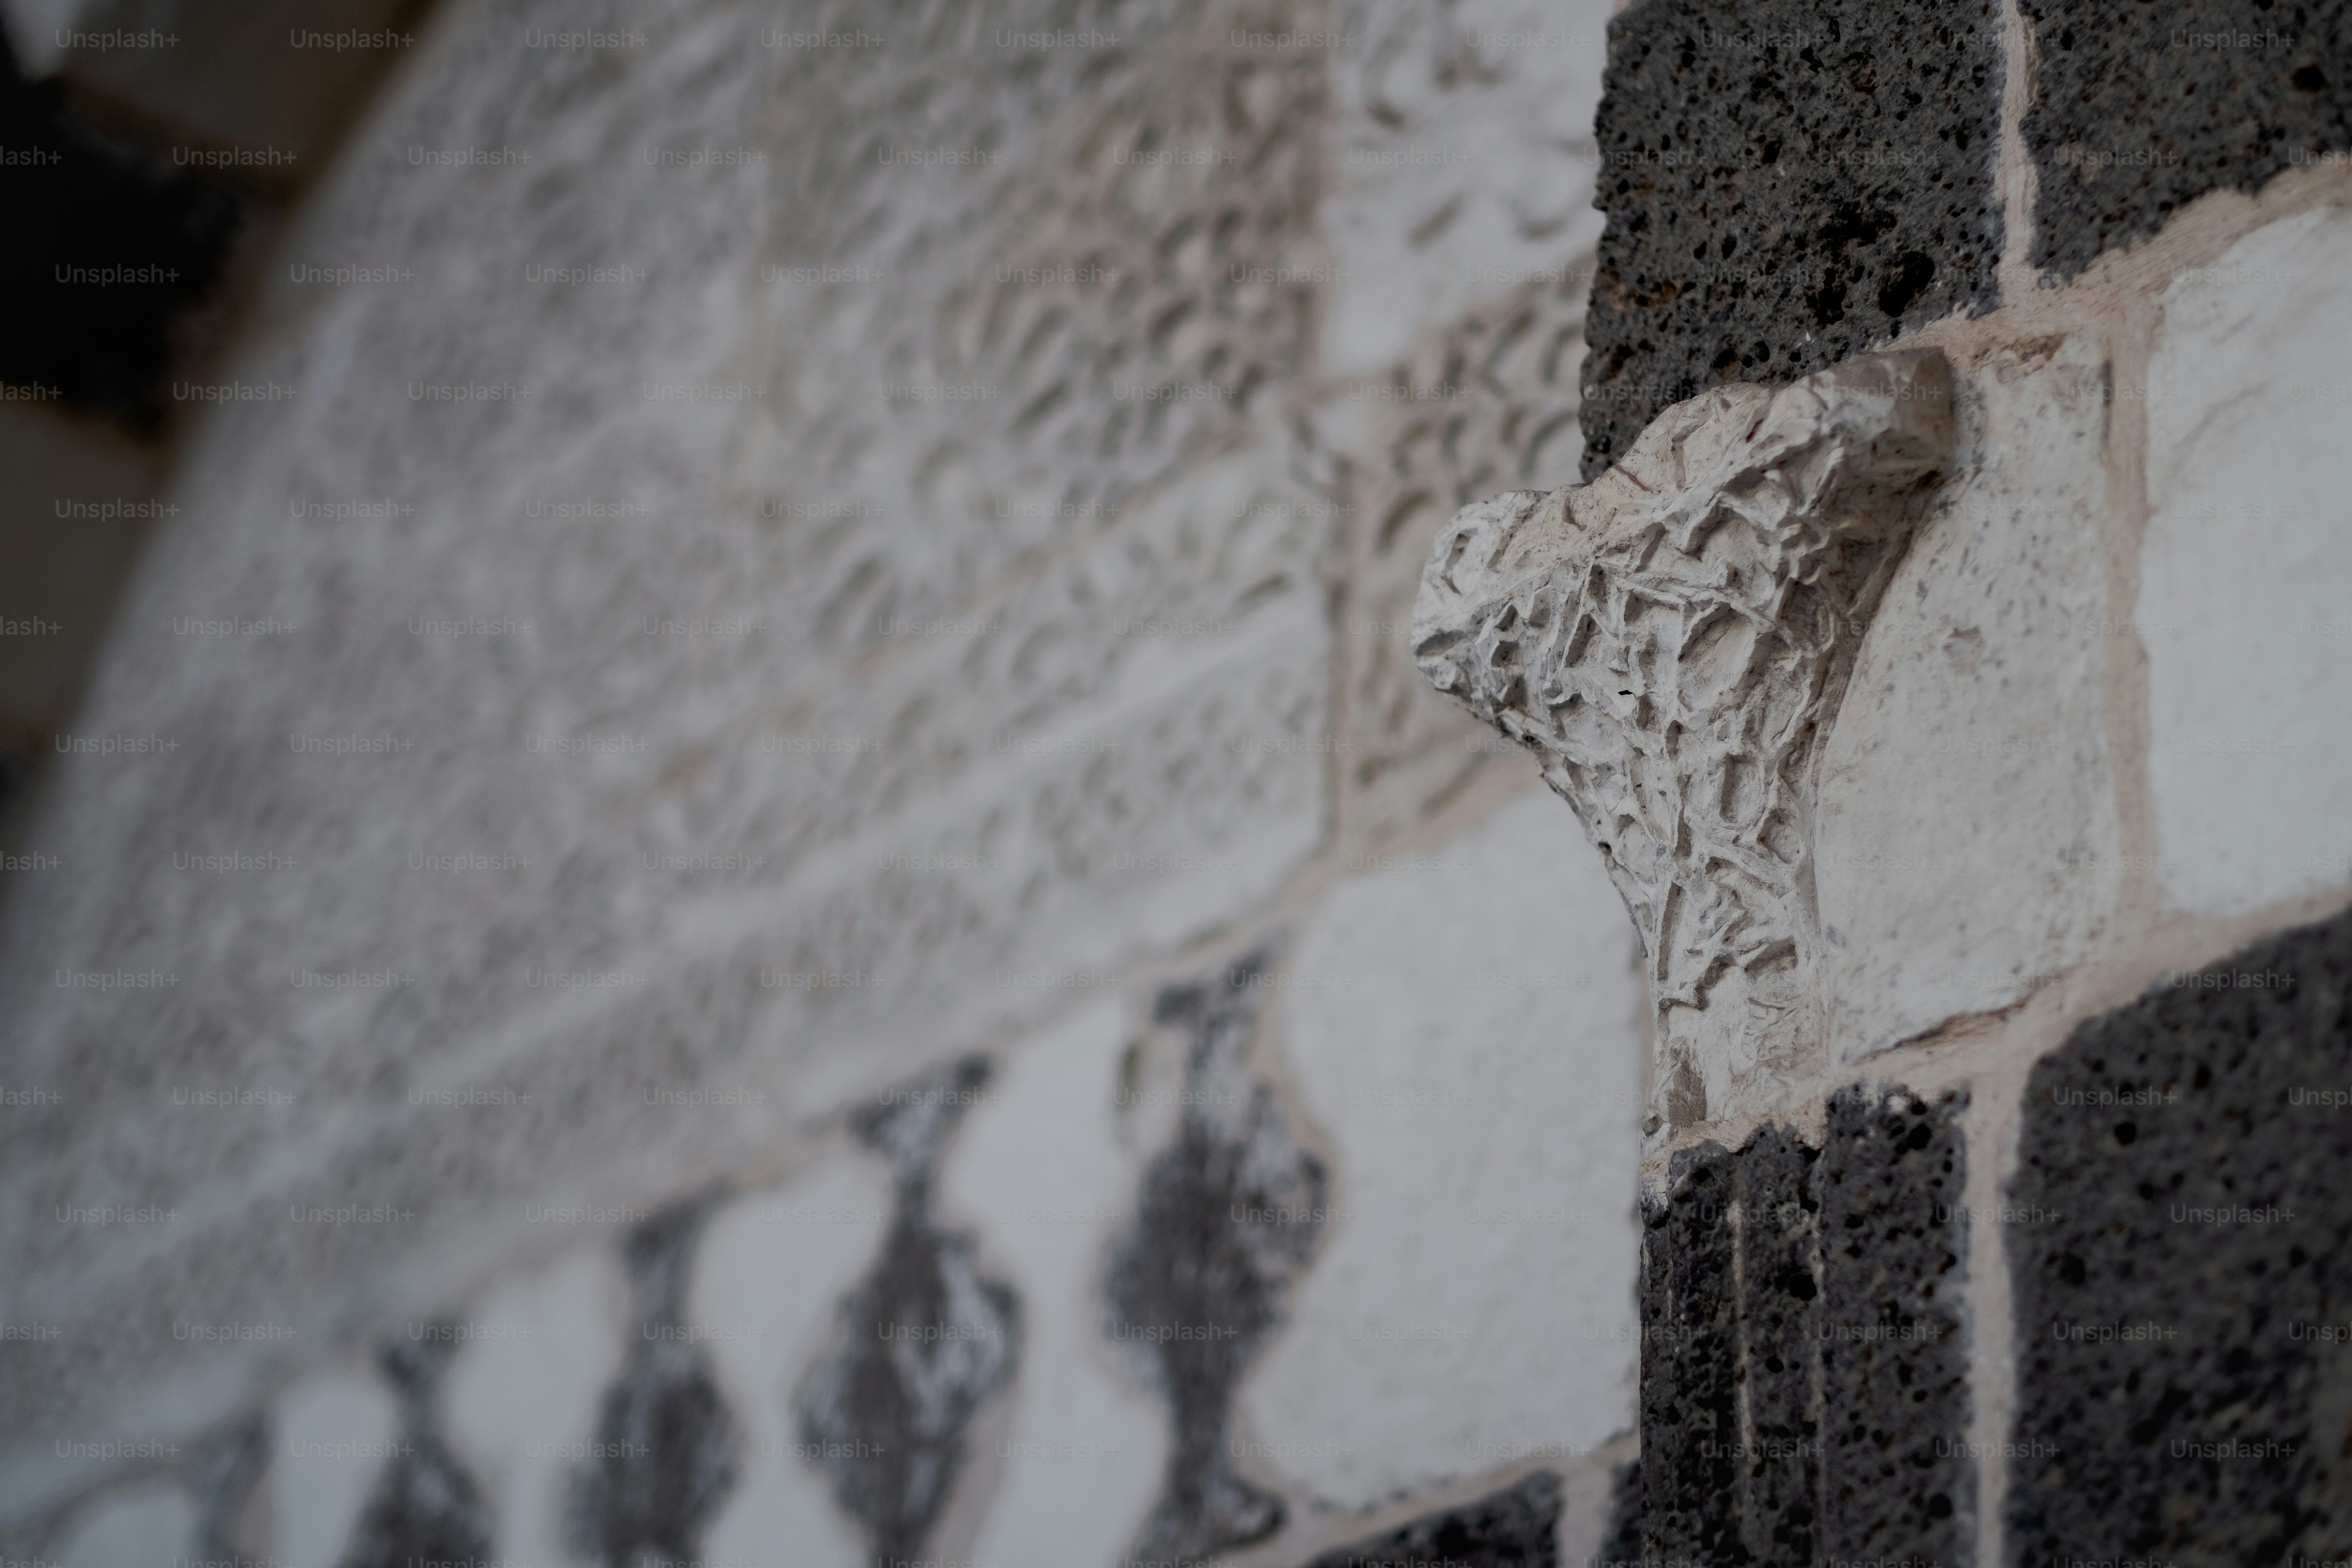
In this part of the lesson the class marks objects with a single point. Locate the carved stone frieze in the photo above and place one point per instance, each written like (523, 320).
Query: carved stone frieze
(1672, 641)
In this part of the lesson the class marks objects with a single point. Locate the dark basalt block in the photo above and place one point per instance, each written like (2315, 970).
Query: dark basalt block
(924, 1340)
(426, 1505)
(665, 1444)
(1894, 1366)
(2181, 1243)
(1226, 1217)
(1786, 185)
(2139, 110)
(1517, 1526)
(1804, 1365)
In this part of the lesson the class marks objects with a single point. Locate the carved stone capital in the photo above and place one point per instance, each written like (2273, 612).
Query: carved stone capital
(1672, 641)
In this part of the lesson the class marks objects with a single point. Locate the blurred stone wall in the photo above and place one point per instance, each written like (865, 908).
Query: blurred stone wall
(758, 877)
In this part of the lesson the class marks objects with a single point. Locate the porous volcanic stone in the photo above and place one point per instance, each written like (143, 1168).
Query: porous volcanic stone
(1785, 185)
(2180, 1247)
(1804, 1371)
(2139, 110)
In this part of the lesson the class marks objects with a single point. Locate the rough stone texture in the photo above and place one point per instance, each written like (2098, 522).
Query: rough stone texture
(523, 1395)
(1964, 846)
(1786, 185)
(1044, 1170)
(2181, 1262)
(426, 1505)
(2136, 112)
(2246, 569)
(1228, 1212)
(1463, 1025)
(767, 1278)
(1899, 1477)
(664, 1451)
(886, 1416)
(1506, 1528)
(1462, 161)
(1804, 1389)
(1120, 494)
(1673, 641)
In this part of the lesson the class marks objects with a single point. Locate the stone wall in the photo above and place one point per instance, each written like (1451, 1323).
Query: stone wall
(760, 877)
(1951, 688)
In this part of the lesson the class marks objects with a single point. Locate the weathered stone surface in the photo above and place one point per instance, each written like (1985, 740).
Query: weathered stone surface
(1462, 161)
(1964, 846)
(1227, 1215)
(922, 1342)
(1462, 1023)
(1786, 185)
(2181, 1251)
(1804, 1389)
(2246, 569)
(521, 1396)
(1516, 1526)
(768, 1278)
(2135, 113)
(1045, 1170)
(1673, 641)
(725, 550)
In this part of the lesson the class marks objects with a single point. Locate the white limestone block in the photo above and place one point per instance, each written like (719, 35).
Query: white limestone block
(1965, 837)
(1039, 1170)
(520, 1399)
(330, 1436)
(140, 1527)
(769, 1273)
(1462, 162)
(2246, 571)
(1463, 1024)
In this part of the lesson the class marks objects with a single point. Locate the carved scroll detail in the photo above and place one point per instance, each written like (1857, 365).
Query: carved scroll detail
(1672, 641)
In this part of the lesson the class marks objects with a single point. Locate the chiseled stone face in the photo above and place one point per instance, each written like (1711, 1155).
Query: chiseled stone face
(2246, 571)
(1461, 1022)
(1965, 845)
(2139, 111)
(1786, 185)
(1673, 641)
(2179, 1236)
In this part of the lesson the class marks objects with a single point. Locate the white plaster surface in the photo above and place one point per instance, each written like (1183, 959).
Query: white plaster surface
(1463, 161)
(771, 1270)
(2245, 598)
(541, 1350)
(330, 1438)
(1040, 1172)
(140, 1527)
(1965, 836)
(1462, 1024)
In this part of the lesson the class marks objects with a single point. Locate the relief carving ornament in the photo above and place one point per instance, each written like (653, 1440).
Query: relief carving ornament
(1672, 642)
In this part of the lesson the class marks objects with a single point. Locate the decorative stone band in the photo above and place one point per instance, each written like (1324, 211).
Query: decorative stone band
(1672, 641)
